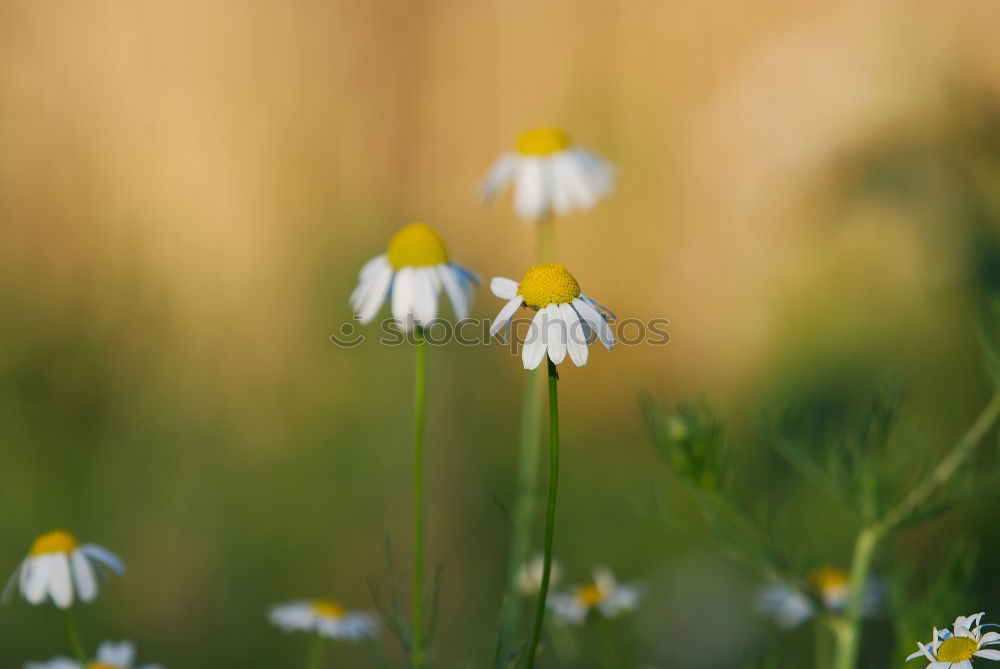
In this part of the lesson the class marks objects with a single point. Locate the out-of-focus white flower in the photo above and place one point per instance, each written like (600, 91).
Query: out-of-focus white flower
(324, 617)
(110, 655)
(550, 174)
(605, 595)
(826, 589)
(529, 576)
(60, 569)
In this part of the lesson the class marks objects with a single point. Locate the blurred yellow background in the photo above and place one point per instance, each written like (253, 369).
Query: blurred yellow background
(807, 191)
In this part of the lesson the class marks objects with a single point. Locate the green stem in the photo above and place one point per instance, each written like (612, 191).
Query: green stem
(74, 637)
(419, 418)
(849, 636)
(550, 513)
(523, 515)
(316, 653)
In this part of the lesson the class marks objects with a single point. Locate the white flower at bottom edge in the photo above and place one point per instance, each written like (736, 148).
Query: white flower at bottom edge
(605, 595)
(956, 648)
(411, 274)
(110, 655)
(57, 566)
(564, 320)
(324, 617)
(550, 174)
(529, 576)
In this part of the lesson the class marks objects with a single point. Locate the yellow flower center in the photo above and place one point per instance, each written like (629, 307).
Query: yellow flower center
(327, 608)
(543, 142)
(543, 285)
(416, 245)
(957, 649)
(589, 596)
(828, 580)
(99, 665)
(54, 542)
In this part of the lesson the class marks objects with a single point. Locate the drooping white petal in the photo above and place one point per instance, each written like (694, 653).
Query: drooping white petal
(506, 312)
(572, 174)
(988, 653)
(596, 321)
(533, 349)
(370, 295)
(35, 578)
(555, 334)
(503, 288)
(600, 174)
(84, 577)
(104, 557)
(426, 288)
(16, 579)
(567, 608)
(60, 580)
(499, 174)
(54, 663)
(403, 286)
(529, 192)
(452, 282)
(576, 335)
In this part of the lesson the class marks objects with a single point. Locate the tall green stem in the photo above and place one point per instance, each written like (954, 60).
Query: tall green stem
(74, 637)
(550, 513)
(849, 634)
(316, 653)
(419, 418)
(523, 515)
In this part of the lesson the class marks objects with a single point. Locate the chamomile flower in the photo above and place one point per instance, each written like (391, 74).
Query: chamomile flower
(956, 648)
(605, 595)
(826, 589)
(550, 174)
(529, 576)
(60, 569)
(110, 655)
(564, 318)
(411, 274)
(325, 618)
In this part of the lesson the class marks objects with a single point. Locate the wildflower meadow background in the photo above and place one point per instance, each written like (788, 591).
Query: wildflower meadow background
(808, 192)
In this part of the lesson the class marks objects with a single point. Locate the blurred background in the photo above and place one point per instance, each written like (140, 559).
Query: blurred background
(809, 191)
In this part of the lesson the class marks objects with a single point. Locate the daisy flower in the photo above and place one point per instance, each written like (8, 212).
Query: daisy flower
(605, 595)
(564, 318)
(110, 655)
(324, 617)
(58, 567)
(956, 648)
(529, 576)
(550, 174)
(411, 274)
(826, 589)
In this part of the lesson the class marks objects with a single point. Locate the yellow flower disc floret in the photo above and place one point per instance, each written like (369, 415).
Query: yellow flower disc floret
(543, 285)
(825, 579)
(589, 596)
(98, 665)
(543, 142)
(957, 649)
(327, 608)
(416, 245)
(54, 542)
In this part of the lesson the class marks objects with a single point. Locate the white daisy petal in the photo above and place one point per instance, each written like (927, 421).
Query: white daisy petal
(576, 335)
(427, 286)
(533, 349)
(503, 288)
(503, 318)
(121, 654)
(988, 653)
(84, 577)
(498, 176)
(375, 292)
(16, 580)
(529, 191)
(555, 334)
(60, 580)
(596, 321)
(35, 580)
(105, 557)
(403, 287)
(452, 281)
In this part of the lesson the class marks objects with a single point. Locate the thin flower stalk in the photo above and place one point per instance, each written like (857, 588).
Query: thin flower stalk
(419, 419)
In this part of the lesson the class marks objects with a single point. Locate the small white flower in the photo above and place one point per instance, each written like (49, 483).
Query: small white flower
(110, 655)
(956, 648)
(58, 566)
(324, 617)
(529, 576)
(564, 318)
(550, 174)
(411, 273)
(826, 589)
(605, 595)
